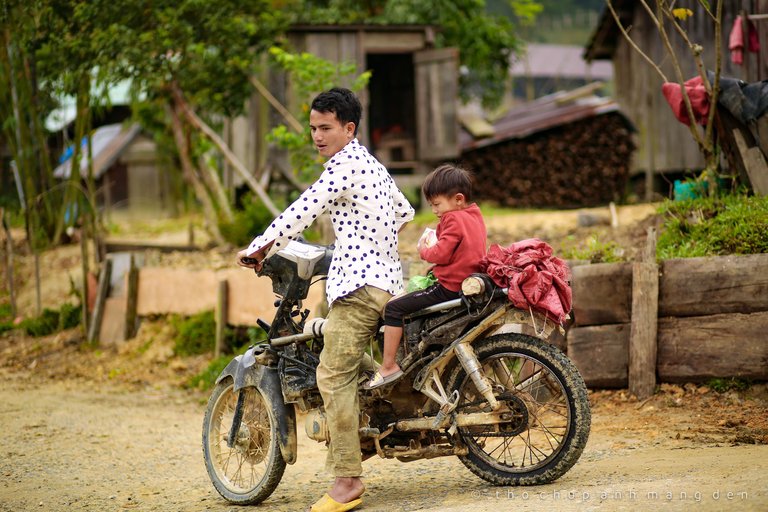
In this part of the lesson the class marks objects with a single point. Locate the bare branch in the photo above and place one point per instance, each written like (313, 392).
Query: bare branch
(696, 49)
(713, 97)
(706, 9)
(704, 145)
(632, 43)
(209, 132)
(295, 124)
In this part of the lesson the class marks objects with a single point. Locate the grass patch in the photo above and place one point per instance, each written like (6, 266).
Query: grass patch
(595, 251)
(207, 378)
(52, 320)
(722, 385)
(714, 226)
(6, 317)
(194, 335)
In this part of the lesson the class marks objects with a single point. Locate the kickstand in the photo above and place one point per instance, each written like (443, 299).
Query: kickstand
(433, 388)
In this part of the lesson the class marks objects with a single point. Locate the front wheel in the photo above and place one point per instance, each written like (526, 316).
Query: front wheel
(545, 398)
(247, 472)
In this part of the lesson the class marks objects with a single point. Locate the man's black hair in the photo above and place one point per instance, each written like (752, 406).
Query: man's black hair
(341, 102)
(447, 180)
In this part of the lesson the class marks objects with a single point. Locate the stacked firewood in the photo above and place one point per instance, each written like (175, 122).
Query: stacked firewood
(584, 163)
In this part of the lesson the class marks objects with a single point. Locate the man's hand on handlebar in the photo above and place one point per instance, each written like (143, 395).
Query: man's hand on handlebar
(254, 260)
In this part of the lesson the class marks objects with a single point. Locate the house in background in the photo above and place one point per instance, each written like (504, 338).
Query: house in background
(409, 106)
(125, 171)
(666, 149)
(547, 68)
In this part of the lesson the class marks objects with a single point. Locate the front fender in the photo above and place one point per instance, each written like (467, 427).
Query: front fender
(245, 372)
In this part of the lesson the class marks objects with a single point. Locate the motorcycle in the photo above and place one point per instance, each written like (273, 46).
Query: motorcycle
(480, 382)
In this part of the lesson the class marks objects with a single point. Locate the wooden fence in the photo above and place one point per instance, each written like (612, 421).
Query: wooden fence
(712, 320)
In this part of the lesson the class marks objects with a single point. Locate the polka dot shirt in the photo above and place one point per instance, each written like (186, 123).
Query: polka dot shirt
(366, 209)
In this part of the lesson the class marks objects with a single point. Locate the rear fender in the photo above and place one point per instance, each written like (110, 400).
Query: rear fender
(245, 372)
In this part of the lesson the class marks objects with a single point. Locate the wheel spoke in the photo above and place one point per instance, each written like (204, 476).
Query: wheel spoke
(520, 382)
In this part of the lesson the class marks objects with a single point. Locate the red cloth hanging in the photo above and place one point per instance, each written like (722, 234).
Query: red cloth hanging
(535, 278)
(736, 40)
(696, 93)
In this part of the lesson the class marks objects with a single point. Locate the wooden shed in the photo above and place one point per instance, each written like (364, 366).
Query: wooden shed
(125, 171)
(409, 107)
(665, 146)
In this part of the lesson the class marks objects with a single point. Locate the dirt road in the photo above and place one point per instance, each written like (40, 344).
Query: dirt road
(76, 445)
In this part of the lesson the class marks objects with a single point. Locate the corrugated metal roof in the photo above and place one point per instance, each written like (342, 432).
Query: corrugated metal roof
(539, 115)
(108, 142)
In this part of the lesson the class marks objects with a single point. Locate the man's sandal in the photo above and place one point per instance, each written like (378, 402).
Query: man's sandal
(328, 504)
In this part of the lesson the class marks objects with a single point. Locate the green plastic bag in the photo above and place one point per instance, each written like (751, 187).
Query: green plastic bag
(420, 282)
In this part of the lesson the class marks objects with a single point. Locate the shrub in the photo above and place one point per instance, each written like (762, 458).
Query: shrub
(207, 378)
(52, 320)
(721, 385)
(253, 219)
(731, 224)
(194, 335)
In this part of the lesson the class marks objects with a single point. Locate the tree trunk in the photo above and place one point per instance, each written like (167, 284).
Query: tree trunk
(188, 172)
(198, 123)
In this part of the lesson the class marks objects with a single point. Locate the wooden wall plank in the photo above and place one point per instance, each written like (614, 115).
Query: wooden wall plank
(602, 293)
(727, 345)
(601, 353)
(707, 286)
(187, 292)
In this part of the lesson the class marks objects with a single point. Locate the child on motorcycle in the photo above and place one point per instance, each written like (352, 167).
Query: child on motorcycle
(457, 253)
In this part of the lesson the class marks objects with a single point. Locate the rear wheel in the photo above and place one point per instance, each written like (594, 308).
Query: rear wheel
(247, 472)
(545, 398)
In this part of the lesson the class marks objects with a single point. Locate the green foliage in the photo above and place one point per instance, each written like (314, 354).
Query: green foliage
(309, 75)
(595, 251)
(6, 317)
(207, 378)
(722, 385)
(711, 226)
(194, 335)
(254, 218)
(52, 320)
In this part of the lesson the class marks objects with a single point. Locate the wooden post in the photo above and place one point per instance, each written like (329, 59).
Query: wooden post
(131, 299)
(38, 292)
(754, 163)
(221, 316)
(84, 267)
(101, 297)
(9, 262)
(643, 331)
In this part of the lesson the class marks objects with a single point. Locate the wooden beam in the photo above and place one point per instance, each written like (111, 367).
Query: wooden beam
(754, 163)
(601, 353)
(642, 338)
(703, 347)
(591, 284)
(131, 299)
(101, 297)
(221, 315)
(708, 286)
